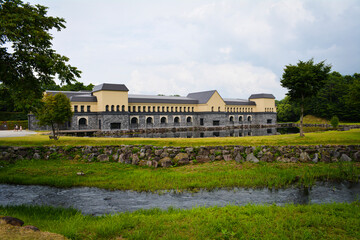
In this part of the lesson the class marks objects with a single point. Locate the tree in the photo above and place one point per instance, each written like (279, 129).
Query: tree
(304, 81)
(54, 111)
(286, 111)
(27, 61)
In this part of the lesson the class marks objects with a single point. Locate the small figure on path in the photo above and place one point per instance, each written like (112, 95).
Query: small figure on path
(20, 128)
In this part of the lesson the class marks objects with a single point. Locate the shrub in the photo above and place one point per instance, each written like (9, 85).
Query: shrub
(334, 121)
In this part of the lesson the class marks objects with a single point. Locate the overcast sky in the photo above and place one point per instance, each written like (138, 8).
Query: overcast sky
(180, 46)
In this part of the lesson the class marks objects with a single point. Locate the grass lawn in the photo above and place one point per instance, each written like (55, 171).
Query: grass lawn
(220, 174)
(328, 221)
(351, 137)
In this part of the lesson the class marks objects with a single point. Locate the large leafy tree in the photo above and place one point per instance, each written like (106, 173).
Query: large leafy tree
(303, 81)
(54, 111)
(27, 60)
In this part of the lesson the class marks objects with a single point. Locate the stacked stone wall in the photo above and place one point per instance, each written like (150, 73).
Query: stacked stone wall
(175, 156)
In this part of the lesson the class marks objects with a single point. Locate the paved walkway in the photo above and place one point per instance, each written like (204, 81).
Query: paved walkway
(12, 133)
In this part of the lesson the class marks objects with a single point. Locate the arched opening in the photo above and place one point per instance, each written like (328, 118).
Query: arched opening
(134, 120)
(112, 108)
(107, 108)
(123, 108)
(231, 119)
(163, 120)
(218, 109)
(188, 119)
(249, 118)
(176, 120)
(82, 123)
(117, 108)
(149, 120)
(240, 118)
(212, 109)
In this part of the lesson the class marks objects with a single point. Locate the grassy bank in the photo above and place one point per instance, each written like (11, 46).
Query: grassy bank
(329, 221)
(351, 137)
(221, 174)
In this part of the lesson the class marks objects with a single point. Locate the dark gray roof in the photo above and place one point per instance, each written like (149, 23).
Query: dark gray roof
(83, 98)
(202, 97)
(110, 87)
(262, 95)
(69, 93)
(232, 101)
(135, 98)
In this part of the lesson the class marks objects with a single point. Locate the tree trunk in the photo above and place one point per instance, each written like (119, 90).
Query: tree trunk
(301, 117)
(53, 129)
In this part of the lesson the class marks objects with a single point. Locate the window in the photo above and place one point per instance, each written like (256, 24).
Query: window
(129, 108)
(134, 120)
(112, 108)
(139, 108)
(201, 121)
(153, 109)
(163, 120)
(75, 108)
(149, 109)
(176, 109)
(188, 120)
(172, 109)
(176, 120)
(231, 119)
(117, 108)
(212, 109)
(218, 109)
(88, 108)
(167, 109)
(82, 108)
(216, 123)
(240, 118)
(115, 125)
(269, 121)
(149, 120)
(82, 121)
(249, 118)
(188, 109)
(123, 108)
(192, 109)
(158, 109)
(144, 109)
(180, 108)
(134, 109)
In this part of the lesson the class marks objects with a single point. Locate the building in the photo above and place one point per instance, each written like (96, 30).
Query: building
(110, 107)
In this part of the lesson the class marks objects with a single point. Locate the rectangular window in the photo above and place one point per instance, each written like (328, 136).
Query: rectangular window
(216, 123)
(269, 121)
(201, 121)
(88, 108)
(75, 108)
(82, 108)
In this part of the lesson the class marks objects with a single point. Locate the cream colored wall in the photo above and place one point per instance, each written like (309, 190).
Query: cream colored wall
(264, 105)
(156, 105)
(111, 98)
(93, 106)
(215, 101)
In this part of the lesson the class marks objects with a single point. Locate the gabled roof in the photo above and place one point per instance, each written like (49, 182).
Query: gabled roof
(110, 87)
(233, 101)
(202, 97)
(136, 98)
(262, 95)
(83, 98)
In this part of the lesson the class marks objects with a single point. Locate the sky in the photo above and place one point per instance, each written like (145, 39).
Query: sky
(238, 47)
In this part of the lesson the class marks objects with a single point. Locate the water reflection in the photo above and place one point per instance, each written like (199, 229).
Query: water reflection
(217, 133)
(99, 201)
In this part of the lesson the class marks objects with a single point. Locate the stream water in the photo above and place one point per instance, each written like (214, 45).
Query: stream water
(97, 201)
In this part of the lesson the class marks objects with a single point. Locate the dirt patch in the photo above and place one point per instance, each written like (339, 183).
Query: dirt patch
(12, 232)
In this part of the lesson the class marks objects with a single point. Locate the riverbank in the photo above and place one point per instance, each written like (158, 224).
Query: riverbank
(327, 221)
(212, 175)
(351, 137)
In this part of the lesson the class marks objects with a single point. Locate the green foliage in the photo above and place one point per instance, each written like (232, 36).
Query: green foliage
(287, 111)
(304, 81)
(313, 221)
(10, 125)
(135, 150)
(334, 121)
(27, 60)
(12, 116)
(55, 110)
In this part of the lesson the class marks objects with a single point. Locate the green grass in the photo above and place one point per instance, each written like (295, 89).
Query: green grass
(221, 174)
(309, 119)
(328, 221)
(351, 137)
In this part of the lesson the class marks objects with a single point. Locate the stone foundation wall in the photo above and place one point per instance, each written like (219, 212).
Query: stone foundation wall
(175, 156)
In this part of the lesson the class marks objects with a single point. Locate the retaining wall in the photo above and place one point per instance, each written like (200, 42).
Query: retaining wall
(173, 156)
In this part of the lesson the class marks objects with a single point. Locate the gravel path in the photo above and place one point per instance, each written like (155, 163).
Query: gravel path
(12, 133)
